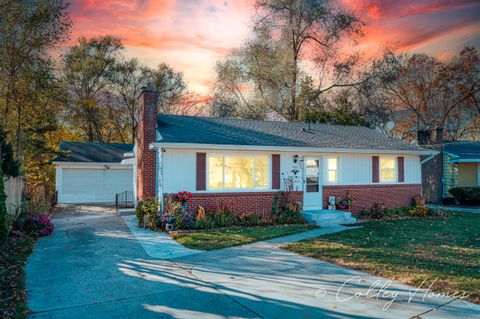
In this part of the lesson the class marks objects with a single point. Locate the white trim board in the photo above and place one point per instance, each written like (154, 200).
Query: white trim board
(93, 165)
(286, 149)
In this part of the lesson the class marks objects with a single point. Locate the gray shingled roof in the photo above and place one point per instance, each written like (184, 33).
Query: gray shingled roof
(463, 150)
(86, 152)
(231, 131)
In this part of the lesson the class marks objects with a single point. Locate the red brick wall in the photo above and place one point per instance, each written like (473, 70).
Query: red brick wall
(243, 202)
(366, 195)
(146, 134)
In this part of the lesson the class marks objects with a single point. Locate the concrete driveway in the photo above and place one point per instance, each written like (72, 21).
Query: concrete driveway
(93, 267)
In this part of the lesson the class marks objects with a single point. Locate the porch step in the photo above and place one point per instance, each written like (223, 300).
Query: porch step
(325, 218)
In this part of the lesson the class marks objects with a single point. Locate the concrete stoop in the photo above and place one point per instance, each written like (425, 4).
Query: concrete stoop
(326, 218)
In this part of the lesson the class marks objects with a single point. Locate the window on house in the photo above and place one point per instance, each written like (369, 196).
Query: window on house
(387, 170)
(230, 172)
(332, 169)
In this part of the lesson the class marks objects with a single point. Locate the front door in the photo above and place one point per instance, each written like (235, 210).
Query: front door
(312, 188)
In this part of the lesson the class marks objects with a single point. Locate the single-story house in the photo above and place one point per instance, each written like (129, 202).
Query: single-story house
(93, 172)
(457, 164)
(246, 162)
(243, 162)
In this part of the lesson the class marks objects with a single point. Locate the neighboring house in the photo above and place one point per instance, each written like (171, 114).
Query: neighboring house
(246, 162)
(457, 164)
(93, 172)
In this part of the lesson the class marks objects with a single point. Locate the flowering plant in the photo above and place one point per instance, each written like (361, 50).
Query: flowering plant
(182, 197)
(38, 224)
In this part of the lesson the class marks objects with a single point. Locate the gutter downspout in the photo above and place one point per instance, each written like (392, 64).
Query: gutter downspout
(428, 158)
(159, 168)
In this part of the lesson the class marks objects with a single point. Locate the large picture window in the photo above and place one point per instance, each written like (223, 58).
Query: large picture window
(231, 172)
(387, 170)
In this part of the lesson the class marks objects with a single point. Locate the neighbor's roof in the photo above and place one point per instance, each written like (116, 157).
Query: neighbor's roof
(86, 152)
(232, 131)
(463, 151)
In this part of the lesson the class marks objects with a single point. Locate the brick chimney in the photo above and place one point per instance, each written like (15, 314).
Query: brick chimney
(439, 135)
(146, 134)
(430, 137)
(424, 137)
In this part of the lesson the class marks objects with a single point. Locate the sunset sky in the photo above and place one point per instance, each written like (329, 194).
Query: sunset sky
(191, 35)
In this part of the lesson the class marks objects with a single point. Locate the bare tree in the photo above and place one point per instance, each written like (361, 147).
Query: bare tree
(421, 92)
(267, 73)
(128, 79)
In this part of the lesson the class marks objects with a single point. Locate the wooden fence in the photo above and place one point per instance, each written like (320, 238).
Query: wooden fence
(13, 189)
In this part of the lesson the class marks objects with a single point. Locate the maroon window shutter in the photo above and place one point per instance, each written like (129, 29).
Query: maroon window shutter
(201, 171)
(401, 169)
(275, 171)
(375, 169)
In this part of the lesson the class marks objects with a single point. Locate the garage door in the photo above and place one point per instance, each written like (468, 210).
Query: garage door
(94, 185)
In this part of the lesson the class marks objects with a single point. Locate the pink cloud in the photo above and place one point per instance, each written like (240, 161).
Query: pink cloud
(193, 35)
(378, 9)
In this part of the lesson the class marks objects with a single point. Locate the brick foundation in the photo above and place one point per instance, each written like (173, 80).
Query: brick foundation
(243, 202)
(365, 196)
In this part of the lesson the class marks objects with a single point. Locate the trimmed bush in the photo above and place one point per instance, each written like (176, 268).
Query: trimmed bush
(466, 195)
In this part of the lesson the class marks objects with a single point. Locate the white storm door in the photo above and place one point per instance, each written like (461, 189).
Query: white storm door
(312, 189)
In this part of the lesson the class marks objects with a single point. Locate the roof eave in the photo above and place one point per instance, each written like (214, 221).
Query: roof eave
(465, 160)
(288, 148)
(90, 163)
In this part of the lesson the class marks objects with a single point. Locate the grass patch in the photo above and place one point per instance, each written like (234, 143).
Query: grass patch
(221, 238)
(409, 250)
(13, 257)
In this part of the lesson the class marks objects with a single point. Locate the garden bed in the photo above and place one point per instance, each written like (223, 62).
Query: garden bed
(212, 239)
(13, 257)
(442, 251)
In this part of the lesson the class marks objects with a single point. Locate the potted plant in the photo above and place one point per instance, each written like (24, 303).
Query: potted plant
(170, 223)
(420, 200)
(345, 203)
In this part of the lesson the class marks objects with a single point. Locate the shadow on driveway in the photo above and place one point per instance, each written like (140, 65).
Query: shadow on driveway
(93, 267)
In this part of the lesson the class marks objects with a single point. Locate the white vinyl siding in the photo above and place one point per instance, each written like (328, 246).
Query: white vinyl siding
(179, 168)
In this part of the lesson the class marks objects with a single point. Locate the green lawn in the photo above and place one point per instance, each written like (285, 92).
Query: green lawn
(13, 256)
(409, 250)
(221, 238)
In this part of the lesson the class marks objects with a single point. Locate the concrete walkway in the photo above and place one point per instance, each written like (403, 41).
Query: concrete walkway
(157, 245)
(96, 268)
(453, 208)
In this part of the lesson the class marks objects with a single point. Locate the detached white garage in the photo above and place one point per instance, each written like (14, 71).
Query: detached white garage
(93, 172)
